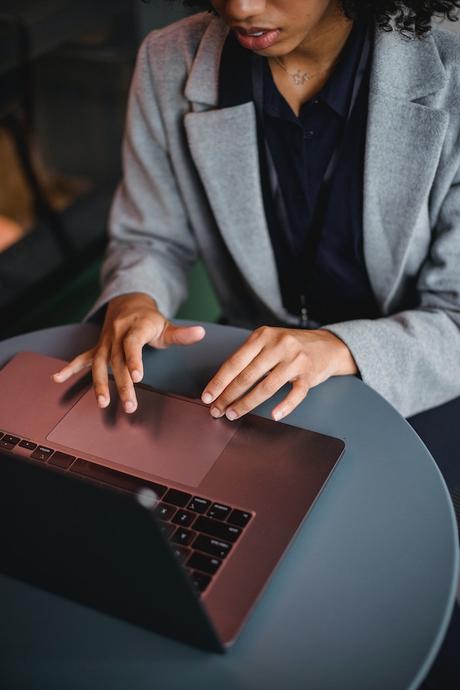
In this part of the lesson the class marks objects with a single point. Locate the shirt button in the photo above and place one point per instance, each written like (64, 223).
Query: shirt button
(315, 102)
(308, 134)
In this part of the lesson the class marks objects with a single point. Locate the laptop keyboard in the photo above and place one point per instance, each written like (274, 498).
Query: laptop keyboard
(202, 532)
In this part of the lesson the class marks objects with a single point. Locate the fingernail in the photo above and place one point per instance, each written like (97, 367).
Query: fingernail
(231, 415)
(206, 398)
(278, 415)
(129, 406)
(136, 376)
(216, 413)
(57, 375)
(101, 400)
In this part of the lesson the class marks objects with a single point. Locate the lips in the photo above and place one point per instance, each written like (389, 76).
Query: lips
(252, 30)
(256, 38)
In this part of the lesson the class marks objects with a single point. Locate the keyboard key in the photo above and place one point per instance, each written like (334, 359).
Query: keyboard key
(217, 529)
(207, 564)
(199, 505)
(183, 536)
(164, 512)
(240, 518)
(119, 480)
(181, 552)
(14, 440)
(184, 518)
(167, 529)
(62, 460)
(159, 489)
(214, 547)
(6, 445)
(42, 453)
(27, 444)
(177, 498)
(200, 581)
(219, 511)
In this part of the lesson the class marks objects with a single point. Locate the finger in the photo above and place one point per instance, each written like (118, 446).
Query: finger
(257, 370)
(264, 390)
(232, 368)
(82, 361)
(123, 380)
(182, 335)
(296, 395)
(101, 377)
(132, 344)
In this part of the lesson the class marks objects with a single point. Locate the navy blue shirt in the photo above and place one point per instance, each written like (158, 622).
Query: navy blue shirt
(336, 285)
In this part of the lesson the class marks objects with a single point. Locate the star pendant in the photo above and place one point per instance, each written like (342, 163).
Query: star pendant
(300, 78)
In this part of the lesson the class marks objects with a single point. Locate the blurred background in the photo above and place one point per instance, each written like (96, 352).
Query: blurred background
(65, 69)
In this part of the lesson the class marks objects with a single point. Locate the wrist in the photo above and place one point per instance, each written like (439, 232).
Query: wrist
(133, 298)
(344, 362)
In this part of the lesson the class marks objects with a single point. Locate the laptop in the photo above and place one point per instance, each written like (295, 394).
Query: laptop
(166, 517)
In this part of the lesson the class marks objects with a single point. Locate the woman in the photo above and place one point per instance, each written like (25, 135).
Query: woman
(311, 156)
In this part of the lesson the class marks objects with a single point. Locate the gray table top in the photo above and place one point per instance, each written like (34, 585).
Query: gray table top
(361, 600)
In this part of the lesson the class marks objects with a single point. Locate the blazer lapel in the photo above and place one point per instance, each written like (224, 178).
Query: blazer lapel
(223, 145)
(403, 146)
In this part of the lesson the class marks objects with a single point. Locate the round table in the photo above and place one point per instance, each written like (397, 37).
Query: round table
(361, 600)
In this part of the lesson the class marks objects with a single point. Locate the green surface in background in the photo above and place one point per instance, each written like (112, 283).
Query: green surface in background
(201, 303)
(72, 301)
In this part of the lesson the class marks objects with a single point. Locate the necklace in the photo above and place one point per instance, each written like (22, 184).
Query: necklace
(299, 78)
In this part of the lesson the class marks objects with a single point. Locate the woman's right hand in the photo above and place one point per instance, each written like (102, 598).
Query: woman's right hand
(131, 321)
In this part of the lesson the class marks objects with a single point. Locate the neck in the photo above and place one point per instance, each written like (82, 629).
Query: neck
(323, 44)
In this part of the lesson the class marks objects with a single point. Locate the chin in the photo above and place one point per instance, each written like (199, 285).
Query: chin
(277, 50)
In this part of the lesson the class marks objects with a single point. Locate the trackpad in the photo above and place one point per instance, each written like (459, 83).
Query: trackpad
(166, 437)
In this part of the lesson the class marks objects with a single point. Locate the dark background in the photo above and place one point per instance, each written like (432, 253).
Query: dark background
(65, 69)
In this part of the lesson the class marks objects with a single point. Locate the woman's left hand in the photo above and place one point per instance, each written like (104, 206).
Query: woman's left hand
(270, 358)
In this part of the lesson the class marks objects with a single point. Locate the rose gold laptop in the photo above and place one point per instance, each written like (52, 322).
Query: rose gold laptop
(230, 495)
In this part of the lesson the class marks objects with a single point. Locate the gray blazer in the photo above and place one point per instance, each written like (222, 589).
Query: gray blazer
(191, 188)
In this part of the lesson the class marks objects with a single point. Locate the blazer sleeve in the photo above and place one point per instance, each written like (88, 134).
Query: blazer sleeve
(412, 358)
(151, 245)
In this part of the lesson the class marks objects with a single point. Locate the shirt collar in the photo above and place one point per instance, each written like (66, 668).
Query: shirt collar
(336, 93)
(235, 82)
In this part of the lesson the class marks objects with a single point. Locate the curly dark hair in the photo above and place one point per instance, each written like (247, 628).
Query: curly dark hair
(411, 18)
